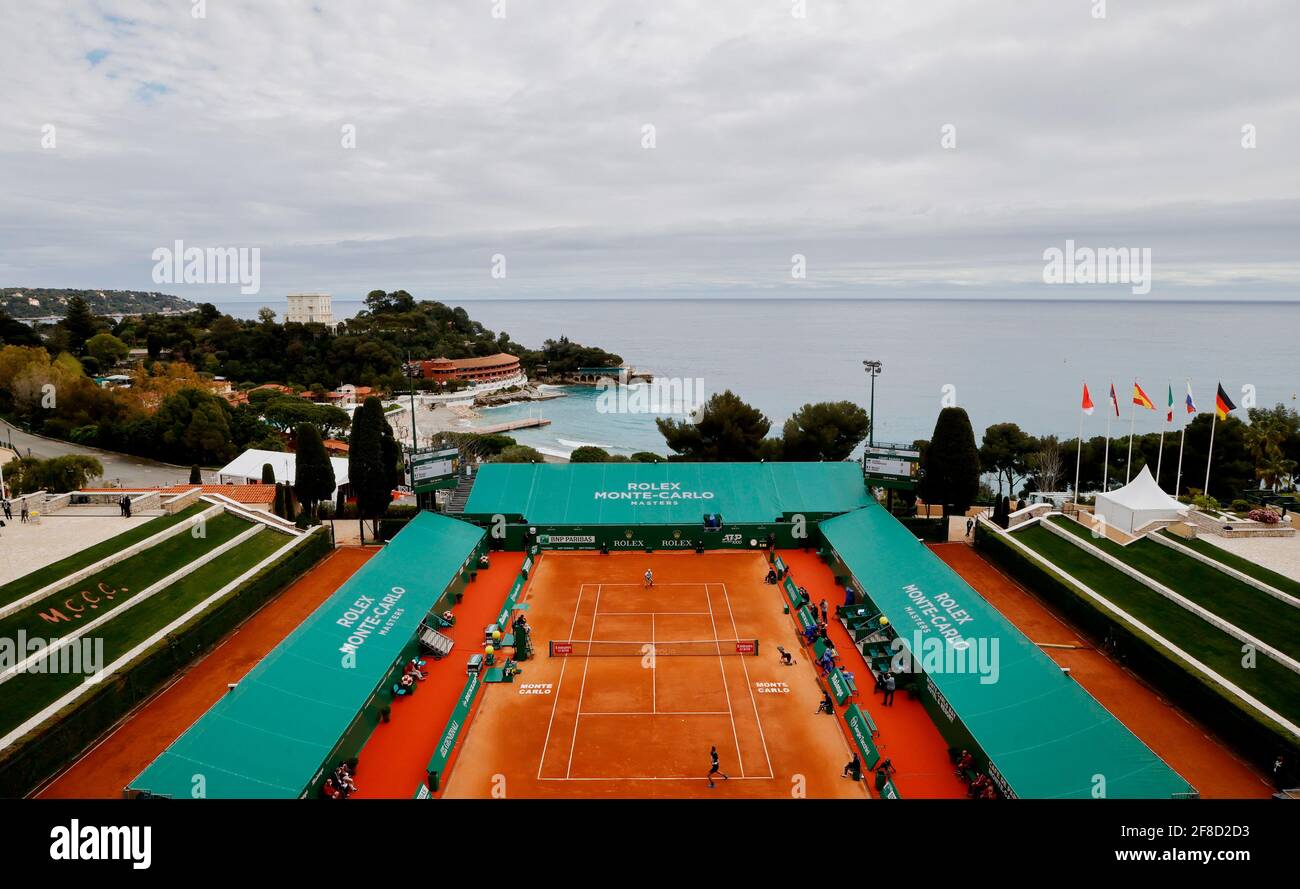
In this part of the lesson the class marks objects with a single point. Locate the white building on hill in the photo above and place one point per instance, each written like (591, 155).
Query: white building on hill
(310, 308)
(246, 469)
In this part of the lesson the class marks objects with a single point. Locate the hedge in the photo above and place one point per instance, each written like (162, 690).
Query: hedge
(63, 738)
(1258, 740)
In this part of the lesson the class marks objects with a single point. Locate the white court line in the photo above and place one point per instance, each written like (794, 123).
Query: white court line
(573, 742)
(740, 759)
(608, 613)
(661, 713)
(654, 669)
(664, 778)
(559, 684)
(748, 684)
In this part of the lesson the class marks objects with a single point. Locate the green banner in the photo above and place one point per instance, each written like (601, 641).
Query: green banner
(860, 728)
(806, 619)
(447, 743)
(839, 685)
(889, 791)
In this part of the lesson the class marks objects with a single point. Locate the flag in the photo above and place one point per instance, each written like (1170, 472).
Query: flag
(1191, 405)
(1114, 399)
(1169, 415)
(1223, 404)
(1087, 401)
(1140, 397)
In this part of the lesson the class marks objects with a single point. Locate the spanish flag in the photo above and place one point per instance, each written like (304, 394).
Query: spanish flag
(1223, 404)
(1140, 398)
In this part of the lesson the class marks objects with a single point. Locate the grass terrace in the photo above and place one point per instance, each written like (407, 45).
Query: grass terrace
(26, 694)
(42, 577)
(1255, 611)
(57, 614)
(1269, 682)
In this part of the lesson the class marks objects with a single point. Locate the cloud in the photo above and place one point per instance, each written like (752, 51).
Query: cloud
(774, 135)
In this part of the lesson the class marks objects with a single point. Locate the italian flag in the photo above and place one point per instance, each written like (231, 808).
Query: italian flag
(1169, 415)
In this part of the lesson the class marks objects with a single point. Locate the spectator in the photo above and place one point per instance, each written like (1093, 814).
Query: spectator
(825, 610)
(413, 668)
(853, 769)
(890, 685)
(827, 705)
(8, 510)
(24, 514)
(964, 763)
(849, 597)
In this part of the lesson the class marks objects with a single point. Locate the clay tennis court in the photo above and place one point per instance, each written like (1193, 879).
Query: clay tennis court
(645, 680)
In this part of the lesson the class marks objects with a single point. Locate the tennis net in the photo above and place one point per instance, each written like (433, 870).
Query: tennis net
(609, 648)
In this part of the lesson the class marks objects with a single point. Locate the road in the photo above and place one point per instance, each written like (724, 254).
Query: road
(119, 469)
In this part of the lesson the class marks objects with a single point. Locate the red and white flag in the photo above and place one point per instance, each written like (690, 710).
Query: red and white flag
(1087, 401)
(1114, 399)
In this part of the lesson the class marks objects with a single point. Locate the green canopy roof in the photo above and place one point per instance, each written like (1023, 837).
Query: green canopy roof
(656, 493)
(272, 734)
(1043, 732)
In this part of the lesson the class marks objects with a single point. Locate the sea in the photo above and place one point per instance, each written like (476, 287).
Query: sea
(1021, 361)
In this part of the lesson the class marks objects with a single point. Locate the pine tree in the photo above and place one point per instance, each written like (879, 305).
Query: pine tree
(80, 323)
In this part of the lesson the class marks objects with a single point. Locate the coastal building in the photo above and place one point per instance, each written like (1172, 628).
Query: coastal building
(488, 369)
(310, 308)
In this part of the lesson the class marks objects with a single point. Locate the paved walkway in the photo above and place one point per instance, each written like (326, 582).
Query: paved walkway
(1211, 767)
(25, 548)
(1280, 554)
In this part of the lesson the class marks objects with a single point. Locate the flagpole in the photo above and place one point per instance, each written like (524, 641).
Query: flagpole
(1169, 413)
(1078, 462)
(1209, 459)
(1105, 462)
(1133, 416)
(1182, 439)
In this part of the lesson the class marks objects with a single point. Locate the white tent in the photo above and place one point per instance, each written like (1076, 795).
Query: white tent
(1138, 503)
(247, 468)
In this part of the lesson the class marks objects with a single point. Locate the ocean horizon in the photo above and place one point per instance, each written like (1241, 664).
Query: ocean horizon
(975, 353)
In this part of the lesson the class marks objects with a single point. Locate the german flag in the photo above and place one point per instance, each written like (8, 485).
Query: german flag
(1223, 404)
(1140, 398)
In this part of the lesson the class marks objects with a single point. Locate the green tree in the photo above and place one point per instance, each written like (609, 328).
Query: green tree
(313, 473)
(369, 477)
(196, 475)
(647, 457)
(950, 464)
(1005, 452)
(589, 454)
(728, 429)
(194, 423)
(80, 323)
(519, 454)
(827, 430)
(268, 474)
(107, 349)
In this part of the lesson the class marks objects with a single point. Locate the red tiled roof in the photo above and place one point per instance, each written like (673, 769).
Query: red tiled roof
(238, 493)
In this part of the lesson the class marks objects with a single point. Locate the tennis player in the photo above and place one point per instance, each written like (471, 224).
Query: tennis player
(649, 578)
(713, 758)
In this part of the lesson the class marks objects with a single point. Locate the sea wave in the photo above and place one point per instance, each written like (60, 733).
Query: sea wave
(583, 444)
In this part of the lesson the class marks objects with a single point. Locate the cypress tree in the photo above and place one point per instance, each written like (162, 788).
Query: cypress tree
(196, 476)
(951, 464)
(367, 474)
(313, 472)
(268, 474)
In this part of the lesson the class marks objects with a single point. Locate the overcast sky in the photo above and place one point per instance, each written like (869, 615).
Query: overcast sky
(773, 135)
